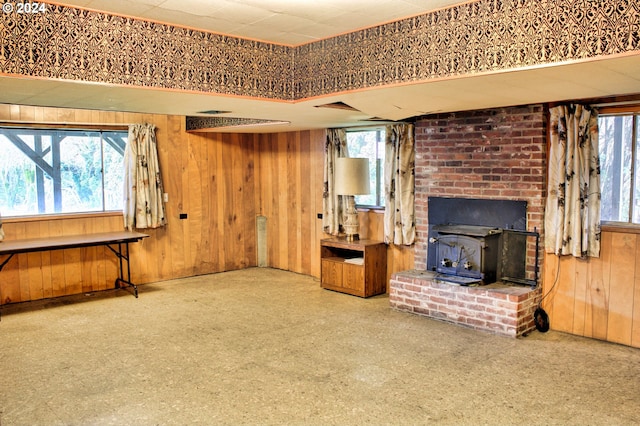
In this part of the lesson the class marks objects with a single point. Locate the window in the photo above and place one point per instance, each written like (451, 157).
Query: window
(45, 171)
(619, 163)
(369, 144)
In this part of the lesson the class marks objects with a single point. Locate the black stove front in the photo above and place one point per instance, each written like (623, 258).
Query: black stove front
(466, 254)
(480, 241)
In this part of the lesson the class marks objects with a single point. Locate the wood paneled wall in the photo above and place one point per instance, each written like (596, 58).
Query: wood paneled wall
(290, 197)
(221, 181)
(210, 177)
(598, 298)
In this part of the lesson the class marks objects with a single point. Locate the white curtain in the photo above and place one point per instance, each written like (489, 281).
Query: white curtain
(572, 215)
(399, 184)
(1, 230)
(143, 207)
(333, 205)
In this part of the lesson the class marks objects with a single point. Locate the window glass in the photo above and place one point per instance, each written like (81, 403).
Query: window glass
(636, 184)
(615, 143)
(44, 171)
(369, 144)
(113, 145)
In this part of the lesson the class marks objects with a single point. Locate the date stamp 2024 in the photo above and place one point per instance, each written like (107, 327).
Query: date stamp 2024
(24, 8)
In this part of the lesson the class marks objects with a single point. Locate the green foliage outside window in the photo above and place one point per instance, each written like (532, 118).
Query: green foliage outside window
(48, 171)
(369, 144)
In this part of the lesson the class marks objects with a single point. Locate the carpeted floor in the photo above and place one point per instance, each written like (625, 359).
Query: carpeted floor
(262, 346)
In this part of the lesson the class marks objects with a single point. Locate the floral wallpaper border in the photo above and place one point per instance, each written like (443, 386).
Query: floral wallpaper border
(487, 35)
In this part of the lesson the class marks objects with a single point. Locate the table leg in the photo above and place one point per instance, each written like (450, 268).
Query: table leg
(122, 259)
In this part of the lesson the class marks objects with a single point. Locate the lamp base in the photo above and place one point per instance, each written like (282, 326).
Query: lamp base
(351, 225)
(352, 237)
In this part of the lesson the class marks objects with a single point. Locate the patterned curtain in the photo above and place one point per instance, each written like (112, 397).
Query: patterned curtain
(333, 204)
(399, 184)
(143, 206)
(572, 216)
(1, 230)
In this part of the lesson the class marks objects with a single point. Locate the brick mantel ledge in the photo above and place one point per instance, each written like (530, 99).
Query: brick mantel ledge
(499, 308)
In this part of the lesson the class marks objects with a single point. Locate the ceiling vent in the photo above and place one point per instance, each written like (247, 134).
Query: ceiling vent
(376, 119)
(338, 105)
(213, 112)
(207, 124)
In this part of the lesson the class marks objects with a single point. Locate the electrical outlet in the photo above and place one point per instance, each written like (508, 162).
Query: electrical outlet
(166, 197)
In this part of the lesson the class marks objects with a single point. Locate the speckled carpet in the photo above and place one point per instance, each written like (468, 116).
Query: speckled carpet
(263, 346)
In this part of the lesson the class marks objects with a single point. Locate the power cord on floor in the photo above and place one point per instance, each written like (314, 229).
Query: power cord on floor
(540, 317)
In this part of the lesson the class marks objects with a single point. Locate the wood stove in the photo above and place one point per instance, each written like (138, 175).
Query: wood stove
(466, 254)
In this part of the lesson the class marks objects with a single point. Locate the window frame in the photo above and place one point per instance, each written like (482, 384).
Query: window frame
(379, 164)
(634, 111)
(67, 127)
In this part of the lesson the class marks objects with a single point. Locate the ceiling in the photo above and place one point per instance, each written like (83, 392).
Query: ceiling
(294, 22)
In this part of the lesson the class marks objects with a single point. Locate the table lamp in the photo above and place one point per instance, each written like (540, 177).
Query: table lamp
(351, 178)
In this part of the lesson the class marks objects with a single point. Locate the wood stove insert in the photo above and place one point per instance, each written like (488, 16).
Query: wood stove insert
(467, 254)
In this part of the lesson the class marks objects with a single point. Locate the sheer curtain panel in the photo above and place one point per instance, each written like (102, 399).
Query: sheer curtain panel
(143, 205)
(572, 215)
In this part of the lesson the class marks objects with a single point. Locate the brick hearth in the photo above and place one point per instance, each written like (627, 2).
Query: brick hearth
(498, 308)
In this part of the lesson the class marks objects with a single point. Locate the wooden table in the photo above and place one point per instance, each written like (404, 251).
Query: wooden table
(117, 242)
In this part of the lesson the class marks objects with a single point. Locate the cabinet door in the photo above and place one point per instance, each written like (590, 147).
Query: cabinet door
(331, 272)
(353, 277)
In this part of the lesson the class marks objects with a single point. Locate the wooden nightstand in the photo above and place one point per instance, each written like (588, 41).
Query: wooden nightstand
(340, 271)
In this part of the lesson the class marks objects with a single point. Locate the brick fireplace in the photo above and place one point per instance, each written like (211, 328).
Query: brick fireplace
(496, 154)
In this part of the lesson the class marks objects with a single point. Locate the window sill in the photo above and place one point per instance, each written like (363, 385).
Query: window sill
(43, 217)
(373, 209)
(627, 228)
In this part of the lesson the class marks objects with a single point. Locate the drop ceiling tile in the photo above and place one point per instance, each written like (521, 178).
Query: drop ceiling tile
(312, 32)
(433, 4)
(243, 14)
(221, 25)
(193, 7)
(82, 3)
(122, 7)
(284, 23)
(260, 31)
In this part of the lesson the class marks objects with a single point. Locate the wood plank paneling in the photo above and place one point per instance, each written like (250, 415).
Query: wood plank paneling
(293, 207)
(623, 249)
(305, 189)
(597, 305)
(562, 298)
(217, 235)
(197, 221)
(635, 320)
(58, 273)
(598, 297)
(248, 201)
(172, 151)
(283, 203)
(580, 296)
(23, 262)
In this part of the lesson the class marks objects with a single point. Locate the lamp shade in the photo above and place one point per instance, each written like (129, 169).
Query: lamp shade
(352, 176)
